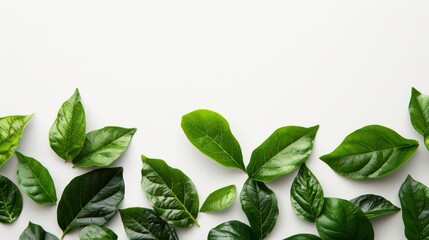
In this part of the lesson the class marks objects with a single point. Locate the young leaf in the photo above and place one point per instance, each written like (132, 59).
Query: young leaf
(103, 146)
(306, 195)
(303, 236)
(10, 201)
(36, 232)
(210, 133)
(284, 151)
(171, 193)
(341, 219)
(35, 180)
(94, 232)
(370, 152)
(11, 130)
(232, 230)
(374, 206)
(67, 133)
(144, 224)
(91, 199)
(419, 113)
(414, 197)
(219, 199)
(259, 204)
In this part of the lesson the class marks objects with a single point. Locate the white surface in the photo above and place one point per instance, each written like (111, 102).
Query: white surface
(262, 64)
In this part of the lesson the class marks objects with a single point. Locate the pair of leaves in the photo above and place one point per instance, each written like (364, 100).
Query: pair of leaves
(36, 232)
(419, 114)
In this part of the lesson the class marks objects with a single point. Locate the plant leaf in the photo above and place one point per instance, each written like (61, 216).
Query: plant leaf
(35, 180)
(414, 197)
(67, 133)
(284, 151)
(341, 219)
(219, 199)
(419, 113)
(36, 232)
(11, 130)
(259, 204)
(10, 201)
(303, 236)
(374, 206)
(94, 232)
(370, 152)
(91, 199)
(171, 193)
(103, 146)
(144, 224)
(210, 133)
(306, 195)
(232, 230)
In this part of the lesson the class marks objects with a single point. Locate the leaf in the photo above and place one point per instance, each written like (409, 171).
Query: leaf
(232, 230)
(210, 133)
(219, 199)
(36, 232)
(370, 152)
(303, 236)
(144, 224)
(374, 206)
(94, 232)
(284, 151)
(306, 195)
(35, 180)
(10, 201)
(91, 199)
(341, 219)
(419, 113)
(171, 193)
(414, 197)
(67, 133)
(103, 146)
(11, 130)
(259, 204)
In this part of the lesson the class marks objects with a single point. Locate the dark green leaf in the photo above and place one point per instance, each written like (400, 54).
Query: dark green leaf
(91, 199)
(10, 201)
(284, 151)
(374, 206)
(219, 199)
(103, 146)
(35, 180)
(36, 232)
(370, 152)
(303, 236)
(94, 232)
(210, 133)
(144, 224)
(170, 192)
(259, 204)
(419, 113)
(232, 230)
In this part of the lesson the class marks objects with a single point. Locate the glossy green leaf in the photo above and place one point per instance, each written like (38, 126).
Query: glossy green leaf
(419, 113)
(67, 133)
(219, 199)
(306, 195)
(144, 224)
(103, 146)
(259, 204)
(171, 193)
(36, 232)
(370, 152)
(341, 219)
(11, 130)
(10, 201)
(210, 133)
(414, 197)
(35, 180)
(303, 236)
(374, 206)
(91, 199)
(94, 232)
(232, 230)
(284, 151)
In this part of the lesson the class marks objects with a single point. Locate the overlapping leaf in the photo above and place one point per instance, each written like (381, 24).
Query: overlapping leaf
(36, 232)
(232, 230)
(374, 206)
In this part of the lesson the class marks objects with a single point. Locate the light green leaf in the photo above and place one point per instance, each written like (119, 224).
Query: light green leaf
(219, 199)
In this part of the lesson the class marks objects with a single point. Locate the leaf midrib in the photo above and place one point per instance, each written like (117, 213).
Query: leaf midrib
(7, 207)
(40, 184)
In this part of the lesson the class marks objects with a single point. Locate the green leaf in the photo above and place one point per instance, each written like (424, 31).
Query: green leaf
(210, 133)
(341, 219)
(374, 206)
(36, 232)
(414, 197)
(144, 224)
(67, 133)
(11, 130)
(10, 201)
(91, 199)
(103, 146)
(370, 152)
(303, 236)
(171, 193)
(419, 113)
(232, 230)
(306, 195)
(94, 232)
(259, 204)
(219, 199)
(35, 180)
(284, 151)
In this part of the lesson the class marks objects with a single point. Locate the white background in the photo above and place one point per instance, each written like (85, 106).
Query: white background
(261, 64)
